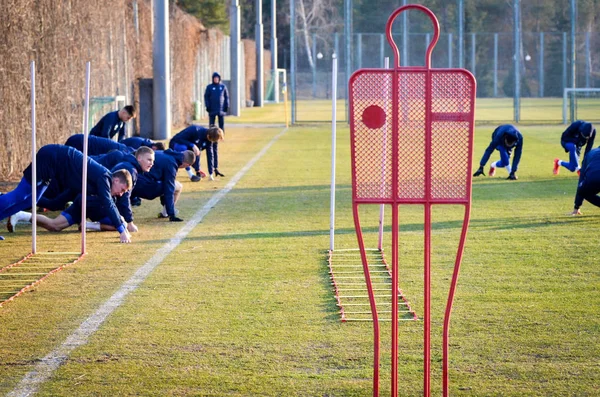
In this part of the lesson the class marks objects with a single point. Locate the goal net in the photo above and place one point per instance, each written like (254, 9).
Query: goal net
(101, 105)
(275, 85)
(581, 104)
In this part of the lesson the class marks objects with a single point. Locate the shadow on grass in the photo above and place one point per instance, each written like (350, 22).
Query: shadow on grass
(503, 224)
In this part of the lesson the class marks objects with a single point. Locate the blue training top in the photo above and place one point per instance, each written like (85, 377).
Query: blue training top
(109, 125)
(166, 165)
(588, 177)
(579, 133)
(498, 140)
(65, 165)
(216, 97)
(136, 142)
(96, 145)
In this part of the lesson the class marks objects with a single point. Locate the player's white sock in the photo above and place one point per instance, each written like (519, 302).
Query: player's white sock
(95, 226)
(508, 169)
(190, 172)
(21, 216)
(164, 211)
(494, 164)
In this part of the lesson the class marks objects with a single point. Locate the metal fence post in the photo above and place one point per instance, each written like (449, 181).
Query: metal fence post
(449, 50)
(541, 63)
(314, 66)
(473, 61)
(495, 64)
(382, 49)
(517, 59)
(564, 53)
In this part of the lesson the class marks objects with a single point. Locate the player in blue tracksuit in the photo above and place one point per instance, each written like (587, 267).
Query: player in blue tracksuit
(505, 138)
(97, 210)
(216, 100)
(161, 180)
(197, 138)
(579, 133)
(56, 196)
(65, 165)
(136, 141)
(138, 163)
(96, 145)
(113, 123)
(588, 187)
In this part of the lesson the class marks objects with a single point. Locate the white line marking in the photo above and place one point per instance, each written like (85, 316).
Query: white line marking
(47, 365)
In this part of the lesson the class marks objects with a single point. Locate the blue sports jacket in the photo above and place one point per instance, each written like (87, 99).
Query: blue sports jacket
(216, 97)
(65, 165)
(136, 142)
(108, 126)
(588, 177)
(96, 145)
(166, 165)
(579, 133)
(498, 140)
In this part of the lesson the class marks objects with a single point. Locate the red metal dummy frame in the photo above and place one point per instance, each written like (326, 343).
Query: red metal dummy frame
(444, 102)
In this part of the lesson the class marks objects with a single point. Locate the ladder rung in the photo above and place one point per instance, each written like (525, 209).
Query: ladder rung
(23, 274)
(381, 319)
(361, 278)
(370, 272)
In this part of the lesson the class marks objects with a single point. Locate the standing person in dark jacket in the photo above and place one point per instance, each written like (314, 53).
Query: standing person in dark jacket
(197, 138)
(96, 205)
(161, 181)
(96, 145)
(216, 99)
(589, 181)
(137, 164)
(65, 165)
(505, 138)
(114, 123)
(136, 141)
(579, 133)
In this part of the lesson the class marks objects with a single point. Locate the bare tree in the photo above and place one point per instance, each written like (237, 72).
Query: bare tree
(319, 17)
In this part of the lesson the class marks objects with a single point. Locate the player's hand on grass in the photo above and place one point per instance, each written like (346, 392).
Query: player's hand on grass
(512, 177)
(479, 172)
(125, 237)
(576, 212)
(175, 219)
(131, 227)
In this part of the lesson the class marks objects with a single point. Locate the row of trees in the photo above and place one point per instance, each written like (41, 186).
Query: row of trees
(326, 16)
(320, 19)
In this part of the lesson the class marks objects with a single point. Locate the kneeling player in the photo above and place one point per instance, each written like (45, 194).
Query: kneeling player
(97, 210)
(505, 138)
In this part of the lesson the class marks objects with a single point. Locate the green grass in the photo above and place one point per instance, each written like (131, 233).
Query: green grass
(243, 306)
(488, 110)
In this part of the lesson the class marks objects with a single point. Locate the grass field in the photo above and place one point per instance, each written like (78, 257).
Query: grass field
(488, 111)
(243, 306)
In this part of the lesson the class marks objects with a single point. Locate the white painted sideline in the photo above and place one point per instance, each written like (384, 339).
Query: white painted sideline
(47, 365)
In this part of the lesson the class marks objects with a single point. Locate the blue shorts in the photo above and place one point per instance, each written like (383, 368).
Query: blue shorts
(147, 188)
(94, 211)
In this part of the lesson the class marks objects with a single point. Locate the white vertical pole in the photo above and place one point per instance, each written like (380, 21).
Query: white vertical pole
(274, 51)
(259, 55)
(33, 166)
(386, 65)
(334, 73)
(86, 110)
